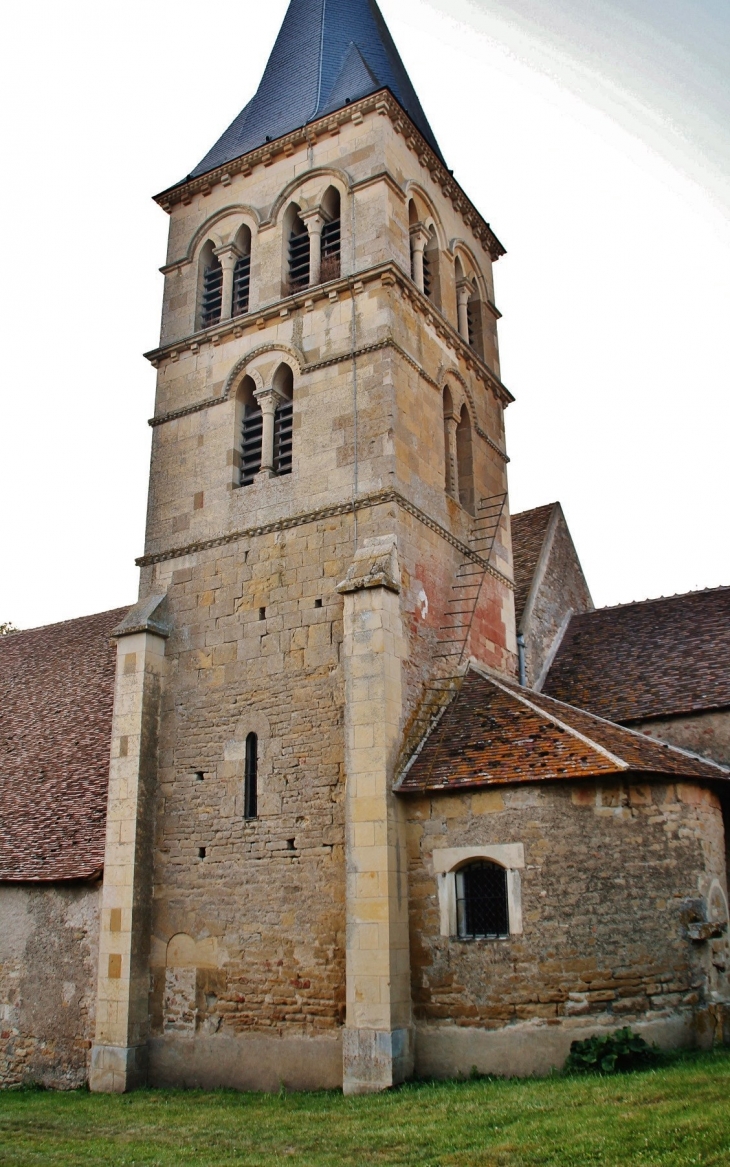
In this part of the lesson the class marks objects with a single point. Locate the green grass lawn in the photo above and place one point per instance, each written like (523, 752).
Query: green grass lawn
(670, 1117)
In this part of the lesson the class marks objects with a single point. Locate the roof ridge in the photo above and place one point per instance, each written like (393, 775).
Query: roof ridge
(643, 737)
(517, 694)
(657, 599)
(71, 620)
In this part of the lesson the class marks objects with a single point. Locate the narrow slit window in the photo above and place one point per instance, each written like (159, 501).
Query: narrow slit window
(250, 795)
(212, 294)
(482, 911)
(251, 438)
(241, 285)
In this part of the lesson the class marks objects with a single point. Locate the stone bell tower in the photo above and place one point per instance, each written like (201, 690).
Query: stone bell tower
(327, 543)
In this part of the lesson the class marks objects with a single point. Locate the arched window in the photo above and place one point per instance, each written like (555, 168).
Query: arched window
(412, 221)
(330, 266)
(450, 473)
(431, 268)
(464, 461)
(283, 420)
(297, 242)
(242, 273)
(211, 287)
(251, 431)
(250, 782)
(482, 911)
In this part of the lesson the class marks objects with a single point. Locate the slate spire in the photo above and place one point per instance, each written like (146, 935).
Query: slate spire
(328, 52)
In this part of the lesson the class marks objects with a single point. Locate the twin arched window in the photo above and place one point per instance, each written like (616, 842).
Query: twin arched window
(428, 274)
(262, 446)
(458, 458)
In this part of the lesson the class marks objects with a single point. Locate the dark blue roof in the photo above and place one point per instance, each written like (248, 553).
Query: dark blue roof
(327, 52)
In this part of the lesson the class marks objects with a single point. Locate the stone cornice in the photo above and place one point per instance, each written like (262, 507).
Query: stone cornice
(365, 502)
(388, 274)
(347, 355)
(382, 103)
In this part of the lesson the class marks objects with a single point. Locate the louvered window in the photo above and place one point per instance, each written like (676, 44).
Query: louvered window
(481, 901)
(212, 295)
(427, 273)
(283, 422)
(251, 443)
(298, 260)
(241, 285)
(471, 321)
(330, 269)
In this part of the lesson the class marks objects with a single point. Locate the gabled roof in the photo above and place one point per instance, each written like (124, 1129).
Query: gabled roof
(56, 696)
(328, 52)
(658, 658)
(529, 529)
(494, 733)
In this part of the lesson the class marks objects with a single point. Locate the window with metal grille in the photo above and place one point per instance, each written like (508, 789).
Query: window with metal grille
(298, 256)
(252, 430)
(241, 285)
(250, 783)
(481, 901)
(212, 295)
(330, 269)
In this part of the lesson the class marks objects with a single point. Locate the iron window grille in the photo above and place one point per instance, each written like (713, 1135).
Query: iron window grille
(330, 269)
(482, 911)
(299, 260)
(212, 295)
(241, 285)
(250, 791)
(251, 438)
(283, 426)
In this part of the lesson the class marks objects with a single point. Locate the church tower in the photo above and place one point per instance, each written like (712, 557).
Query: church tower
(327, 546)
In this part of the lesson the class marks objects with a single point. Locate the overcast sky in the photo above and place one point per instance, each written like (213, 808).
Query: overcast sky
(592, 134)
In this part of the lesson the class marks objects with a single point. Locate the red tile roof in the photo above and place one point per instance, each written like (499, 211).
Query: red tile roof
(653, 659)
(529, 529)
(56, 695)
(494, 733)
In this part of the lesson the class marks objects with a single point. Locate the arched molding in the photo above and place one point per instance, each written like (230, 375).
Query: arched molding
(333, 176)
(205, 231)
(460, 392)
(288, 355)
(460, 250)
(416, 192)
(448, 860)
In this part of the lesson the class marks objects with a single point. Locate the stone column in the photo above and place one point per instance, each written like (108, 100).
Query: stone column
(228, 256)
(463, 292)
(419, 239)
(269, 400)
(451, 421)
(314, 221)
(378, 1037)
(119, 1053)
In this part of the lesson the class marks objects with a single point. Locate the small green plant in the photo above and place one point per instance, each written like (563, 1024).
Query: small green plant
(619, 1051)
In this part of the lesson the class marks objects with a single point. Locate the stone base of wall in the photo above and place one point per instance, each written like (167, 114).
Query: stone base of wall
(253, 1061)
(533, 1048)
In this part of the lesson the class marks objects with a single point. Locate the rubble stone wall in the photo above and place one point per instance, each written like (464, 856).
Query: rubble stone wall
(613, 877)
(49, 940)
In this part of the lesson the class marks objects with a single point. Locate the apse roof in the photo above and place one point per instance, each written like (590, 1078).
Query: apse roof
(657, 658)
(327, 53)
(494, 733)
(56, 697)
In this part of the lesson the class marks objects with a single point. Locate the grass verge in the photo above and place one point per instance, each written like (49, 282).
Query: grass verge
(671, 1117)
